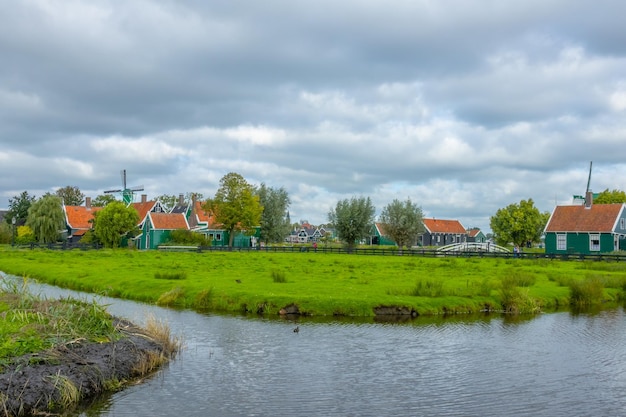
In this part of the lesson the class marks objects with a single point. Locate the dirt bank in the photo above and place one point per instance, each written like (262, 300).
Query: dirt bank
(58, 379)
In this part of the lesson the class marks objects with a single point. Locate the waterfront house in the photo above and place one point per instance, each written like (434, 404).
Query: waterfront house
(476, 235)
(79, 220)
(586, 228)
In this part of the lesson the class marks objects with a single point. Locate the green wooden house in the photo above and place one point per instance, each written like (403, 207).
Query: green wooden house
(476, 235)
(200, 221)
(586, 229)
(157, 228)
(379, 237)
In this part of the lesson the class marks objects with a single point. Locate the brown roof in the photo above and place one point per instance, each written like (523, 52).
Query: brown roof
(444, 226)
(473, 232)
(78, 217)
(597, 218)
(168, 221)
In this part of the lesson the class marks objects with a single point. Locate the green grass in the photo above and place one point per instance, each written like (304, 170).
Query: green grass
(318, 283)
(32, 324)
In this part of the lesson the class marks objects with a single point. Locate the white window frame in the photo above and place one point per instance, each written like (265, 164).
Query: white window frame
(622, 223)
(594, 247)
(218, 237)
(561, 241)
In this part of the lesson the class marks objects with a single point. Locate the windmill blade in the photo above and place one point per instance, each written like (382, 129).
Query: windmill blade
(137, 188)
(124, 178)
(112, 191)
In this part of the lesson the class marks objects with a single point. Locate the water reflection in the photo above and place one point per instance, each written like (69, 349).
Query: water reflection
(558, 364)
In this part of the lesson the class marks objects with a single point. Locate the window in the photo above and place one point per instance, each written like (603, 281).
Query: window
(561, 242)
(218, 237)
(594, 242)
(622, 223)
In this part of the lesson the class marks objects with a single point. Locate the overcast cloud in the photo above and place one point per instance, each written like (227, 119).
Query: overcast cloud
(462, 106)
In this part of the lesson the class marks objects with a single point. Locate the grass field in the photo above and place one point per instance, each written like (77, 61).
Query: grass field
(323, 284)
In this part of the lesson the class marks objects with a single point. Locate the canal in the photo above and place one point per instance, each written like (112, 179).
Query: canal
(557, 364)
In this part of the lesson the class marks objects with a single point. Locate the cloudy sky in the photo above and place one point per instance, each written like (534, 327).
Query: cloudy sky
(463, 106)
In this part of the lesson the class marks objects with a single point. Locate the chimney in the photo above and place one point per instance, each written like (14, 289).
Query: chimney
(588, 199)
(181, 199)
(144, 198)
(88, 203)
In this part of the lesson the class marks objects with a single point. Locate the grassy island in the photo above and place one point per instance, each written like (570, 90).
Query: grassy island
(56, 353)
(324, 284)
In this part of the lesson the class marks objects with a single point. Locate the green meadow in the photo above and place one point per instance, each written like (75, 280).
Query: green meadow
(323, 284)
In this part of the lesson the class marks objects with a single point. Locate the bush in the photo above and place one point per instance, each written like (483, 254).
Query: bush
(514, 299)
(187, 237)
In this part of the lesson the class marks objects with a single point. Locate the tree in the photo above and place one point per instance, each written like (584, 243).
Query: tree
(235, 205)
(518, 223)
(46, 218)
(18, 208)
(610, 197)
(71, 196)
(352, 219)
(275, 223)
(402, 222)
(102, 200)
(114, 222)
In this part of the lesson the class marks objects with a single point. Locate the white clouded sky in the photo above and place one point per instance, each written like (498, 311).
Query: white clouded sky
(462, 106)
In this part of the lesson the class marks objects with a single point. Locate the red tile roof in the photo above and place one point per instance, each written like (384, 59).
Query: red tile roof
(78, 217)
(204, 217)
(444, 226)
(168, 221)
(143, 208)
(473, 232)
(597, 218)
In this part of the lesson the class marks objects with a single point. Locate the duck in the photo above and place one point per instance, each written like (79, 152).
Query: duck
(297, 329)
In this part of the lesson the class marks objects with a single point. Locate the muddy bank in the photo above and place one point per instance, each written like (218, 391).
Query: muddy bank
(60, 378)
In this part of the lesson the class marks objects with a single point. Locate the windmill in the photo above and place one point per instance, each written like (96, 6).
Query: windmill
(127, 193)
(587, 190)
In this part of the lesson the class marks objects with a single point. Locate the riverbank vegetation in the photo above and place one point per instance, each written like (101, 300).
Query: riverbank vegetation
(56, 353)
(322, 283)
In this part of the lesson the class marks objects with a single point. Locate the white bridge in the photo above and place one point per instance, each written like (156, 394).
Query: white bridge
(473, 247)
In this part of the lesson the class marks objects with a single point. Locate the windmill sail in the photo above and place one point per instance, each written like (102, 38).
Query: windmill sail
(127, 193)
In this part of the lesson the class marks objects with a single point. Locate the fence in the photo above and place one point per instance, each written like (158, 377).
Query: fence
(371, 251)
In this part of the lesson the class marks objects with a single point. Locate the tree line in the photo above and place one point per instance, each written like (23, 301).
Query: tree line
(242, 207)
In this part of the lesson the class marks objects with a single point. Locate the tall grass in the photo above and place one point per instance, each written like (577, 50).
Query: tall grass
(587, 292)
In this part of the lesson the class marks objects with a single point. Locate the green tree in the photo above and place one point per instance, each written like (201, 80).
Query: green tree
(402, 222)
(114, 222)
(102, 200)
(275, 223)
(18, 208)
(71, 196)
(46, 218)
(610, 197)
(235, 205)
(518, 223)
(352, 219)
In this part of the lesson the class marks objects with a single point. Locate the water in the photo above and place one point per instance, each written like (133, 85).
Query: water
(558, 364)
